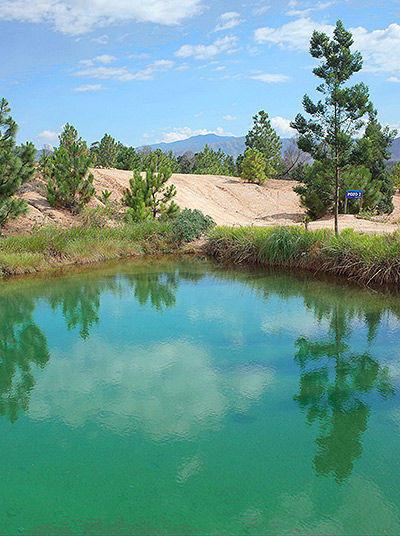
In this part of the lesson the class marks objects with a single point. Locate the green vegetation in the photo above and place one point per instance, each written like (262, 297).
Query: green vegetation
(342, 162)
(191, 224)
(264, 139)
(365, 258)
(53, 247)
(253, 166)
(110, 153)
(104, 153)
(149, 196)
(69, 184)
(16, 166)
(210, 162)
(317, 189)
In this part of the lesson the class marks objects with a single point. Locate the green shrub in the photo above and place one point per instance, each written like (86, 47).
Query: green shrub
(253, 167)
(191, 224)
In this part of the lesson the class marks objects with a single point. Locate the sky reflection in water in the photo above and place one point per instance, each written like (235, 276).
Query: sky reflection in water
(183, 398)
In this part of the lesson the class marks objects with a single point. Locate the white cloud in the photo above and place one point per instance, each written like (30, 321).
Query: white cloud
(229, 118)
(105, 59)
(204, 52)
(295, 34)
(378, 47)
(393, 79)
(123, 74)
(282, 126)
(178, 134)
(260, 10)
(144, 388)
(101, 40)
(88, 87)
(227, 21)
(270, 78)
(319, 6)
(48, 136)
(77, 17)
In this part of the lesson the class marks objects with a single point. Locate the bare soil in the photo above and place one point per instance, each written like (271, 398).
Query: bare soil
(228, 200)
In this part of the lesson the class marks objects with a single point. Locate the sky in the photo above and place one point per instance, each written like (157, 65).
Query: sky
(147, 71)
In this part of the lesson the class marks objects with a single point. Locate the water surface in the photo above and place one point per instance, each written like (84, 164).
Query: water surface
(166, 397)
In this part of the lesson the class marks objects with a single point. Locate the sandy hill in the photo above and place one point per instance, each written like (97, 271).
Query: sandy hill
(228, 200)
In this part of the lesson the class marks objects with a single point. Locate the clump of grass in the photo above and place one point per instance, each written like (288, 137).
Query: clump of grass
(50, 247)
(367, 258)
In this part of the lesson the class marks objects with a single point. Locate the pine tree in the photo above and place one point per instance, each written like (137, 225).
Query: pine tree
(264, 138)
(104, 152)
(149, 196)
(253, 166)
(337, 118)
(373, 151)
(17, 166)
(127, 158)
(69, 184)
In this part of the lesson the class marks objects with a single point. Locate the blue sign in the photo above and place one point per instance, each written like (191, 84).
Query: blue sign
(354, 194)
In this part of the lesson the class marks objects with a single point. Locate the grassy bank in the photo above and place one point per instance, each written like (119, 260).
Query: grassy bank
(370, 259)
(53, 247)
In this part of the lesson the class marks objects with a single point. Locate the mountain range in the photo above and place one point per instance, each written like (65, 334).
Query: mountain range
(232, 145)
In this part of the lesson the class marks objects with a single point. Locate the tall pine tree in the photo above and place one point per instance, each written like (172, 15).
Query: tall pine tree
(17, 166)
(328, 136)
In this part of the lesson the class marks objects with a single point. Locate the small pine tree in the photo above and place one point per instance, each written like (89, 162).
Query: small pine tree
(264, 138)
(69, 184)
(253, 166)
(17, 166)
(149, 196)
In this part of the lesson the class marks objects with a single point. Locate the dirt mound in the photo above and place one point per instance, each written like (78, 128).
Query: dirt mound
(228, 200)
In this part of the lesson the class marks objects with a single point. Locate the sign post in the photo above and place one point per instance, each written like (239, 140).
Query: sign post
(353, 194)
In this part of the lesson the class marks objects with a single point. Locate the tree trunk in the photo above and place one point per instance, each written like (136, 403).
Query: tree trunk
(337, 200)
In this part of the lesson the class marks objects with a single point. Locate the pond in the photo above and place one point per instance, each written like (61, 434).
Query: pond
(176, 397)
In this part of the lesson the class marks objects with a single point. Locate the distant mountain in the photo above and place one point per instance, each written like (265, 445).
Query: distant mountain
(231, 145)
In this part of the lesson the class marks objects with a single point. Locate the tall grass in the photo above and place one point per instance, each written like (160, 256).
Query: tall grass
(367, 258)
(51, 247)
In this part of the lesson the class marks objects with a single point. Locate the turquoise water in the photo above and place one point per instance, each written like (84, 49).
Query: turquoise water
(170, 397)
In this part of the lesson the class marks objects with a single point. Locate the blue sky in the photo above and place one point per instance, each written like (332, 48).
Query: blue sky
(161, 70)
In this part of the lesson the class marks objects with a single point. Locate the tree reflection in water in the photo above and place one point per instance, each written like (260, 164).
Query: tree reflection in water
(335, 385)
(22, 346)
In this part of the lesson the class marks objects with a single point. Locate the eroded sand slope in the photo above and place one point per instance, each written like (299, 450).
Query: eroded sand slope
(228, 200)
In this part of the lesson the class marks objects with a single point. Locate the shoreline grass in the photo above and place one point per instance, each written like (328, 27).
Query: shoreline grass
(368, 259)
(50, 248)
